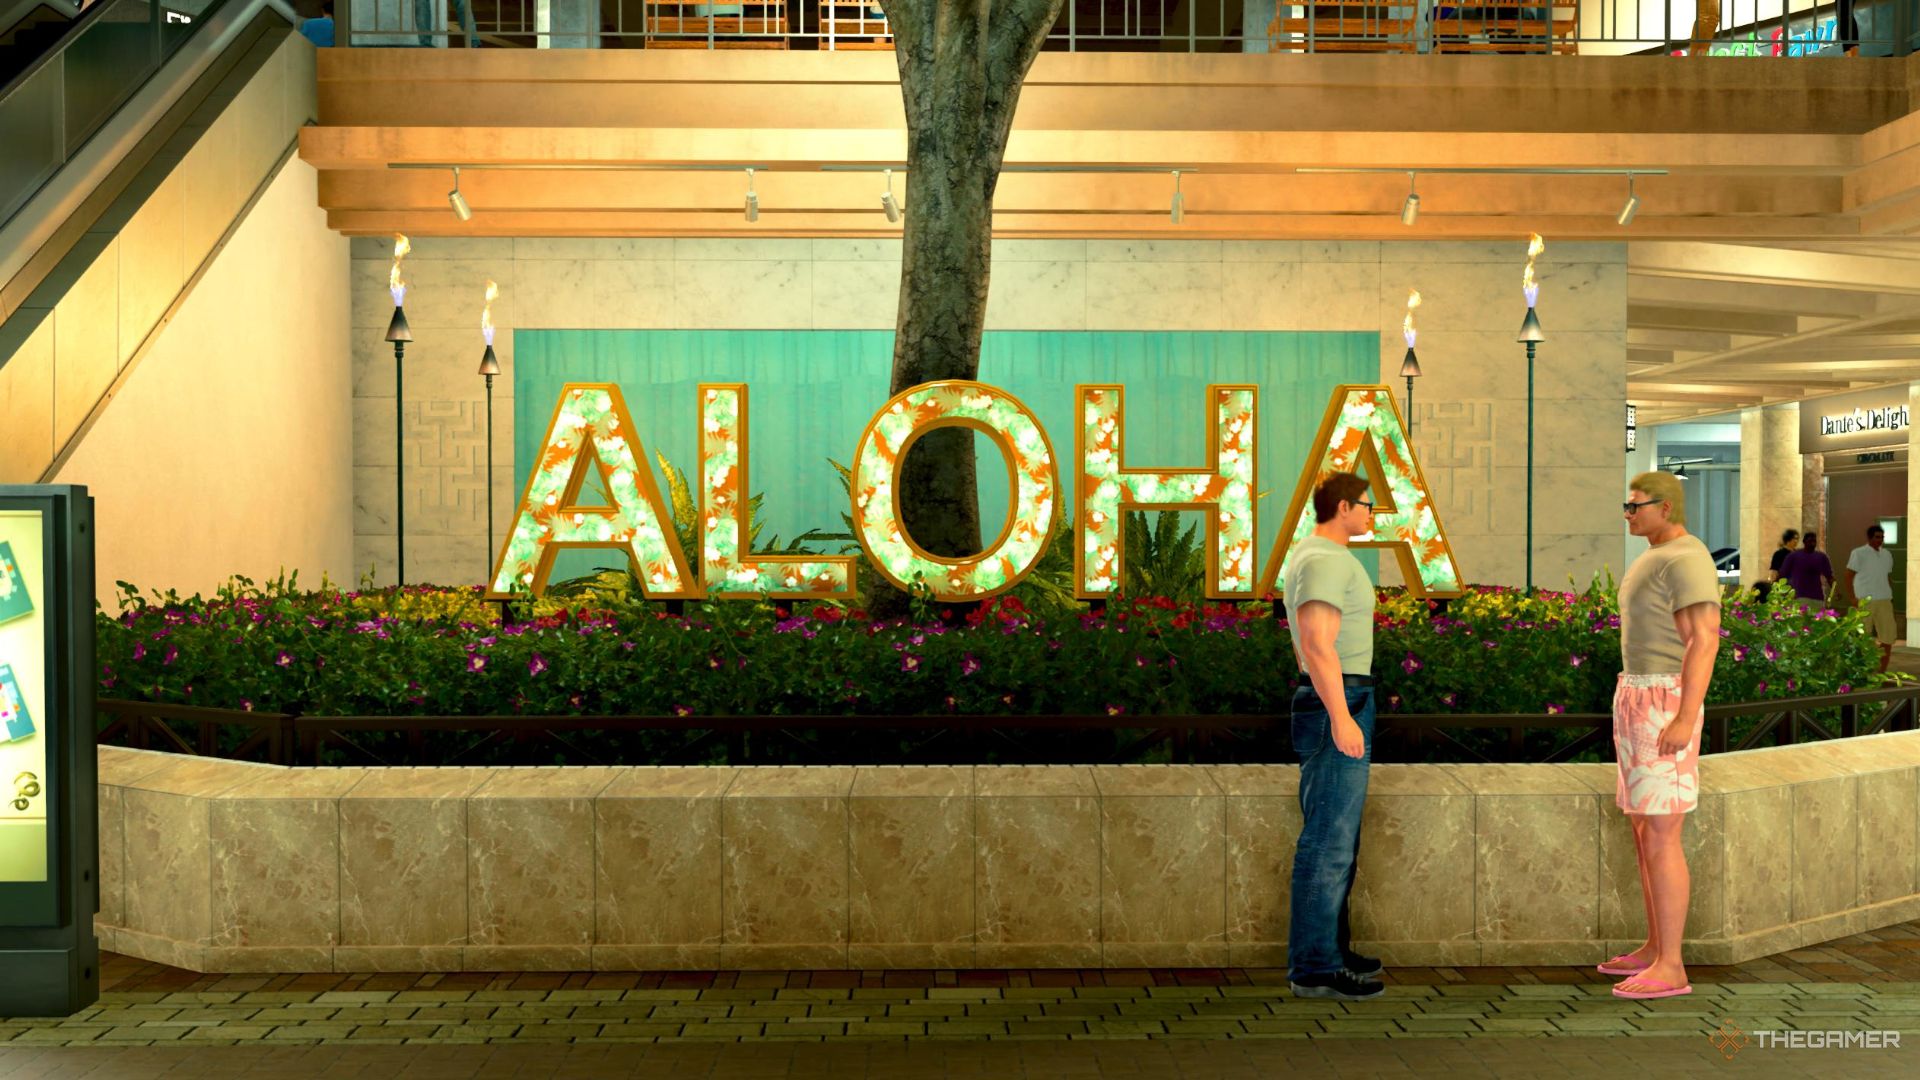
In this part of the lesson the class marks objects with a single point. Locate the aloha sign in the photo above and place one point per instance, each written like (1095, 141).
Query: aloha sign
(591, 433)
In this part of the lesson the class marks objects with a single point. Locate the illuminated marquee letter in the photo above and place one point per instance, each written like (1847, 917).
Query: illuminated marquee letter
(1031, 481)
(1363, 433)
(591, 428)
(1107, 487)
(725, 517)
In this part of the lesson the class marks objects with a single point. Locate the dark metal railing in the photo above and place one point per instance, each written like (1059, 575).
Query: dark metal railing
(288, 739)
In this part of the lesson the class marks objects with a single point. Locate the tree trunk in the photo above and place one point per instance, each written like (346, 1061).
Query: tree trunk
(961, 67)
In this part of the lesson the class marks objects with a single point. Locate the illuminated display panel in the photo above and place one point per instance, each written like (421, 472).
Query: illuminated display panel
(23, 697)
(1031, 477)
(730, 571)
(1363, 433)
(1107, 489)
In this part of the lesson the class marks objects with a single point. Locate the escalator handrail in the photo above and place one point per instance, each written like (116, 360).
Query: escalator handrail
(12, 15)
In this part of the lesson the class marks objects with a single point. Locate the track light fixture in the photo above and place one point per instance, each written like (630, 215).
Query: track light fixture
(458, 201)
(1410, 210)
(1632, 207)
(1178, 212)
(753, 199)
(888, 202)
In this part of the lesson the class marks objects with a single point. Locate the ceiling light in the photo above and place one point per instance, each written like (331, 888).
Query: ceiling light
(1179, 209)
(458, 201)
(1410, 210)
(1632, 207)
(888, 202)
(753, 199)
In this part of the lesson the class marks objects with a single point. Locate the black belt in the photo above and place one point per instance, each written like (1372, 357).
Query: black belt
(1356, 680)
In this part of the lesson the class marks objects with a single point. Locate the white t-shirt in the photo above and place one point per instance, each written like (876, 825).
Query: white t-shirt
(1872, 572)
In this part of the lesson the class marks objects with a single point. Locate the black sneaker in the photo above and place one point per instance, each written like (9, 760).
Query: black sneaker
(1343, 985)
(1361, 965)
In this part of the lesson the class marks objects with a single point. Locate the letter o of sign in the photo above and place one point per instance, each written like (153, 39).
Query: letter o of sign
(1031, 478)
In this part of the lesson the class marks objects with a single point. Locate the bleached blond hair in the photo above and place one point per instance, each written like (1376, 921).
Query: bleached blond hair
(1664, 487)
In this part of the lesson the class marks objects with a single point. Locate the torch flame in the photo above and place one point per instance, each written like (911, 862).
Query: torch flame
(1528, 285)
(486, 313)
(394, 285)
(1406, 324)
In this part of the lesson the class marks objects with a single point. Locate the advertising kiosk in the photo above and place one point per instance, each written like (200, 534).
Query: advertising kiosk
(49, 864)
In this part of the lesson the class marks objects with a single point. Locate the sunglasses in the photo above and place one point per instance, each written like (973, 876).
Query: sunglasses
(1634, 507)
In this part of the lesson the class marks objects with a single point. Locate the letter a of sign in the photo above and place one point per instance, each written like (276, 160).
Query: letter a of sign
(591, 429)
(730, 569)
(1363, 433)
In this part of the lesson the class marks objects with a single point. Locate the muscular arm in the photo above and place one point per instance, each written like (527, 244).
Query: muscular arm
(1699, 626)
(1316, 626)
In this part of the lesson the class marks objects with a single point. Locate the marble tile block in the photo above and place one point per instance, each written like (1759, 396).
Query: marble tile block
(874, 249)
(1037, 295)
(1760, 865)
(530, 869)
(593, 247)
(554, 294)
(785, 880)
(1153, 251)
(403, 869)
(168, 868)
(632, 294)
(743, 295)
(855, 295)
(1885, 837)
(1262, 821)
(1302, 296)
(1163, 867)
(1537, 852)
(1036, 867)
(1142, 295)
(1825, 860)
(274, 843)
(910, 876)
(659, 861)
(1482, 296)
(1413, 889)
(1009, 251)
(738, 249)
(447, 294)
(112, 856)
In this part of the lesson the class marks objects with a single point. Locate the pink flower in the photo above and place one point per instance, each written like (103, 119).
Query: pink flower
(1576, 661)
(1555, 710)
(969, 663)
(283, 659)
(1449, 699)
(476, 662)
(1411, 664)
(683, 710)
(909, 662)
(1116, 710)
(139, 652)
(536, 665)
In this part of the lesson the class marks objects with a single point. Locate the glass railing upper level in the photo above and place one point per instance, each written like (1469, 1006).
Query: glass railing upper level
(1777, 28)
(52, 107)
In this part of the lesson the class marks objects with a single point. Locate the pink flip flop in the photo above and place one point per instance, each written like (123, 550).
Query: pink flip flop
(1667, 990)
(1621, 965)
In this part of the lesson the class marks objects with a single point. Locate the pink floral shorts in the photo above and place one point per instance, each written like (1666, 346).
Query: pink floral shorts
(1650, 782)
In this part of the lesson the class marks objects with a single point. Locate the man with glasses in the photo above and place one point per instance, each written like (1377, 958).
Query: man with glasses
(1329, 601)
(1669, 638)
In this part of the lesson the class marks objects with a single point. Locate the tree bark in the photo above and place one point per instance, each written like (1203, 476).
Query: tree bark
(961, 69)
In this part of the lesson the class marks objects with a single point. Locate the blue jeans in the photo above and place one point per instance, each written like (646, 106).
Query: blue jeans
(1333, 792)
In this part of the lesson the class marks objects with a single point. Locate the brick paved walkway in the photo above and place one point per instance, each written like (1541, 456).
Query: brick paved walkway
(152, 1020)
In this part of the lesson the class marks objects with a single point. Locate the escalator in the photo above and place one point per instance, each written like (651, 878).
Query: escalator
(123, 119)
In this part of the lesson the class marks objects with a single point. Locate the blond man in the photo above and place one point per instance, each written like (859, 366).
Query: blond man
(1669, 636)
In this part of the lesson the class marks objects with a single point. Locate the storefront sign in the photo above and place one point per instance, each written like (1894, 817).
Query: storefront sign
(1866, 420)
(591, 433)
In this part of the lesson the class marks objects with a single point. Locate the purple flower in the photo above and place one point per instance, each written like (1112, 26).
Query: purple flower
(1771, 652)
(1449, 699)
(909, 662)
(1576, 661)
(173, 653)
(1139, 661)
(1116, 710)
(476, 662)
(246, 704)
(1762, 688)
(1739, 653)
(283, 659)
(1846, 688)
(683, 710)
(1555, 710)
(1411, 664)
(536, 665)
(1491, 644)
(969, 663)
(1393, 702)
(139, 652)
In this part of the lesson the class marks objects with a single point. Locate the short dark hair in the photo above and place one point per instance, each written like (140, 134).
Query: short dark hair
(1790, 536)
(326, 7)
(1871, 529)
(1335, 489)
(1809, 538)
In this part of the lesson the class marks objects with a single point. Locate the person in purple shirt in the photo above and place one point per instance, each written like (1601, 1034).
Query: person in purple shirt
(1808, 570)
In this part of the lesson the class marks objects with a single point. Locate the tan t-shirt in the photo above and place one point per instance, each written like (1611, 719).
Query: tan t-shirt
(1667, 578)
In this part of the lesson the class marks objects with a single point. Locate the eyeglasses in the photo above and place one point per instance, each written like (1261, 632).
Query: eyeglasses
(1634, 507)
(1365, 503)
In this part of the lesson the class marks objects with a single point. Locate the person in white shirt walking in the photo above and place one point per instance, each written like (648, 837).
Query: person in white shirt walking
(1870, 576)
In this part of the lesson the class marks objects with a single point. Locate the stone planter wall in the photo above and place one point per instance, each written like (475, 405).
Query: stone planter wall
(227, 866)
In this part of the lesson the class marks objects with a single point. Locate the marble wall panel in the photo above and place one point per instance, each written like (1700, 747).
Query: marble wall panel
(910, 873)
(1760, 862)
(1154, 295)
(275, 861)
(1413, 889)
(168, 872)
(1885, 839)
(1536, 863)
(1036, 867)
(755, 294)
(1036, 295)
(530, 869)
(1262, 822)
(659, 861)
(1163, 898)
(112, 856)
(403, 869)
(1825, 861)
(785, 878)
